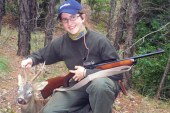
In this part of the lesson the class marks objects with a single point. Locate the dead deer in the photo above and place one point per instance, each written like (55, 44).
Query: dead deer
(26, 95)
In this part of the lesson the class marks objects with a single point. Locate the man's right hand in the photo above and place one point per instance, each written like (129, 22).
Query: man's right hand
(27, 63)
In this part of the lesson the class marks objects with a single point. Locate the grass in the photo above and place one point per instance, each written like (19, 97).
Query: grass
(149, 105)
(37, 40)
(7, 110)
(8, 37)
(4, 66)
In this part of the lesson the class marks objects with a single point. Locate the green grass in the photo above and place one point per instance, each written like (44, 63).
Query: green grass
(6, 110)
(8, 37)
(37, 40)
(4, 67)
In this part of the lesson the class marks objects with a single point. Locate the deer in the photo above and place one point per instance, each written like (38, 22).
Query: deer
(27, 98)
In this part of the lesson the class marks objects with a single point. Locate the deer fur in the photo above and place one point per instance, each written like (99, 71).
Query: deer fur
(34, 106)
(26, 96)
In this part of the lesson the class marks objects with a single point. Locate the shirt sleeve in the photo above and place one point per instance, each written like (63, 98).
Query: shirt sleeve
(49, 54)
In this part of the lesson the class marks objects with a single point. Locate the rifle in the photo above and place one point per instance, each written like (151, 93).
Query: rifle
(128, 61)
(59, 81)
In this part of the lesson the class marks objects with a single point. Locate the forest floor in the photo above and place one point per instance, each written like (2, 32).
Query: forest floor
(132, 103)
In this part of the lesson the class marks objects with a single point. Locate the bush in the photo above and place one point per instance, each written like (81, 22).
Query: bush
(148, 71)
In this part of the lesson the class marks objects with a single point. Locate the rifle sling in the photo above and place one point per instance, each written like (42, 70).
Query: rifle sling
(100, 74)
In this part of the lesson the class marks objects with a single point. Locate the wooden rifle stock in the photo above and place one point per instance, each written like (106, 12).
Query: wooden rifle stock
(59, 81)
(54, 83)
(127, 62)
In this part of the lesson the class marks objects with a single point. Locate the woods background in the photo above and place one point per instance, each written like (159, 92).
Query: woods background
(133, 26)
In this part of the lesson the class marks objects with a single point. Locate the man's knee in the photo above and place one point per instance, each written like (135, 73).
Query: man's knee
(101, 84)
(47, 109)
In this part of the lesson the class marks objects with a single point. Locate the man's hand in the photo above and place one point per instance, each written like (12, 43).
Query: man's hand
(27, 63)
(80, 73)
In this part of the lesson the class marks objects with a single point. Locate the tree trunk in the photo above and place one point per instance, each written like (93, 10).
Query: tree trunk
(119, 25)
(132, 14)
(50, 22)
(24, 35)
(111, 20)
(130, 25)
(2, 12)
(167, 69)
(78, 1)
(33, 14)
(0, 22)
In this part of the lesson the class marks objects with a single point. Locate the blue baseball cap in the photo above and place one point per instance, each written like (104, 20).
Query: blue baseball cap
(69, 6)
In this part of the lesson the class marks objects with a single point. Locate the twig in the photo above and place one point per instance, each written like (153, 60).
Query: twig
(38, 72)
(143, 38)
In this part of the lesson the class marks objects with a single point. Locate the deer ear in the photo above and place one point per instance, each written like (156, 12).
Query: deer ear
(40, 86)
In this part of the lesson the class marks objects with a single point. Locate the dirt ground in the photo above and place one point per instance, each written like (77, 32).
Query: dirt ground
(132, 103)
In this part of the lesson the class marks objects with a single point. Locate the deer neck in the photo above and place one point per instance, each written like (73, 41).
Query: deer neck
(30, 107)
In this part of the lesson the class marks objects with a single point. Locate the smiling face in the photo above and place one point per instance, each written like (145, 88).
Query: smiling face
(72, 23)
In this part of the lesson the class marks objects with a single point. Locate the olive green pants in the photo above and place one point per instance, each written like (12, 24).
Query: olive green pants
(95, 97)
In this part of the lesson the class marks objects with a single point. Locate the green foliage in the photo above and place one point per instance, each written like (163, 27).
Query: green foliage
(101, 5)
(4, 66)
(100, 9)
(149, 71)
(100, 27)
(12, 7)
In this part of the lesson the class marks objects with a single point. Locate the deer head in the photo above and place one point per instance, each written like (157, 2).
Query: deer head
(26, 88)
(25, 91)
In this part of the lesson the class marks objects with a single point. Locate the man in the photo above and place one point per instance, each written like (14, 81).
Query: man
(77, 48)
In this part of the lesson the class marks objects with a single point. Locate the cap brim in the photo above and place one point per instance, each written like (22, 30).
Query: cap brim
(70, 11)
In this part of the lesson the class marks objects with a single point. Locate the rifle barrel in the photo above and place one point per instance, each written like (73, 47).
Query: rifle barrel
(148, 54)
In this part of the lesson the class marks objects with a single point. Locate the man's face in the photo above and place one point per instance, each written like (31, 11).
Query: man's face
(72, 23)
